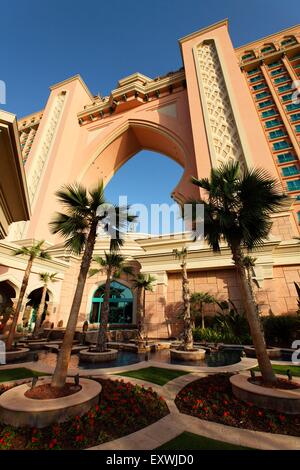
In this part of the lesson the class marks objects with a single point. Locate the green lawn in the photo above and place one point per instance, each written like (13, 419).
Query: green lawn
(18, 373)
(155, 375)
(281, 369)
(190, 441)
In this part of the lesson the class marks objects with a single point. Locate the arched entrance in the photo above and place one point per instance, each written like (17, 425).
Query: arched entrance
(34, 300)
(108, 157)
(7, 293)
(120, 305)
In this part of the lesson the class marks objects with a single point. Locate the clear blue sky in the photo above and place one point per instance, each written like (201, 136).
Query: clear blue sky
(44, 42)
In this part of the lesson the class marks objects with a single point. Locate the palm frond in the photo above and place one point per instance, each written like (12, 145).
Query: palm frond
(73, 196)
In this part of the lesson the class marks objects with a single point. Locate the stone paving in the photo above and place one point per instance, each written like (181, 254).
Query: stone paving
(175, 423)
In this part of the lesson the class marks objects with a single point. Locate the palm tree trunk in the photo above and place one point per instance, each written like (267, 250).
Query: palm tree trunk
(253, 320)
(40, 312)
(202, 316)
(188, 342)
(102, 333)
(140, 308)
(12, 330)
(61, 369)
(143, 331)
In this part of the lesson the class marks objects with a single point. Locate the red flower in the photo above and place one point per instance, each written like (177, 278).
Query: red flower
(79, 438)
(34, 439)
(226, 413)
(260, 413)
(52, 443)
(281, 418)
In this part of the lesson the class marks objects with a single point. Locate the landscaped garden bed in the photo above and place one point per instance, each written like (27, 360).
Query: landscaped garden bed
(211, 399)
(123, 409)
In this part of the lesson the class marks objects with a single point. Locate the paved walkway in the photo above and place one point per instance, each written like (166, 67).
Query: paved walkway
(175, 423)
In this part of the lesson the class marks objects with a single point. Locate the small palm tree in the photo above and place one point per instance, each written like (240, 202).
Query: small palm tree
(33, 252)
(79, 225)
(187, 343)
(46, 278)
(142, 283)
(198, 300)
(113, 264)
(237, 209)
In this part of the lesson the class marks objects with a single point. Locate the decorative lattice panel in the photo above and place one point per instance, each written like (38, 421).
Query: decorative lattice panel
(225, 137)
(17, 229)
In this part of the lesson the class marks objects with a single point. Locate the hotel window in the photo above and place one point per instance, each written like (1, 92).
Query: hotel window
(267, 49)
(297, 56)
(259, 86)
(270, 112)
(273, 123)
(287, 97)
(277, 71)
(253, 71)
(250, 55)
(256, 79)
(276, 134)
(264, 104)
(286, 157)
(290, 170)
(297, 128)
(292, 106)
(293, 185)
(283, 144)
(298, 199)
(274, 64)
(281, 79)
(263, 94)
(288, 42)
(284, 88)
(298, 217)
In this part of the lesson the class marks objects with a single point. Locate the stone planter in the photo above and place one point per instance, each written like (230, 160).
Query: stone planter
(273, 353)
(36, 345)
(19, 411)
(94, 357)
(284, 401)
(194, 355)
(19, 354)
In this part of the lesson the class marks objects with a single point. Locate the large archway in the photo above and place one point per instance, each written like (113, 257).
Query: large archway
(107, 154)
(7, 293)
(32, 305)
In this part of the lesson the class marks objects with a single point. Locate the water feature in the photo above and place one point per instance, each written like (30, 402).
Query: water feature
(213, 359)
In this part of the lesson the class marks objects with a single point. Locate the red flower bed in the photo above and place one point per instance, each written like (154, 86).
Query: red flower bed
(211, 398)
(123, 408)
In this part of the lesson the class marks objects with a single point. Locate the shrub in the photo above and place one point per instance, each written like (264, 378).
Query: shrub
(228, 326)
(281, 330)
(212, 335)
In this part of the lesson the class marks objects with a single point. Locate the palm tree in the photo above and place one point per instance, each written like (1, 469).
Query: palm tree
(79, 225)
(198, 300)
(46, 278)
(187, 343)
(237, 209)
(34, 251)
(249, 263)
(113, 264)
(142, 283)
